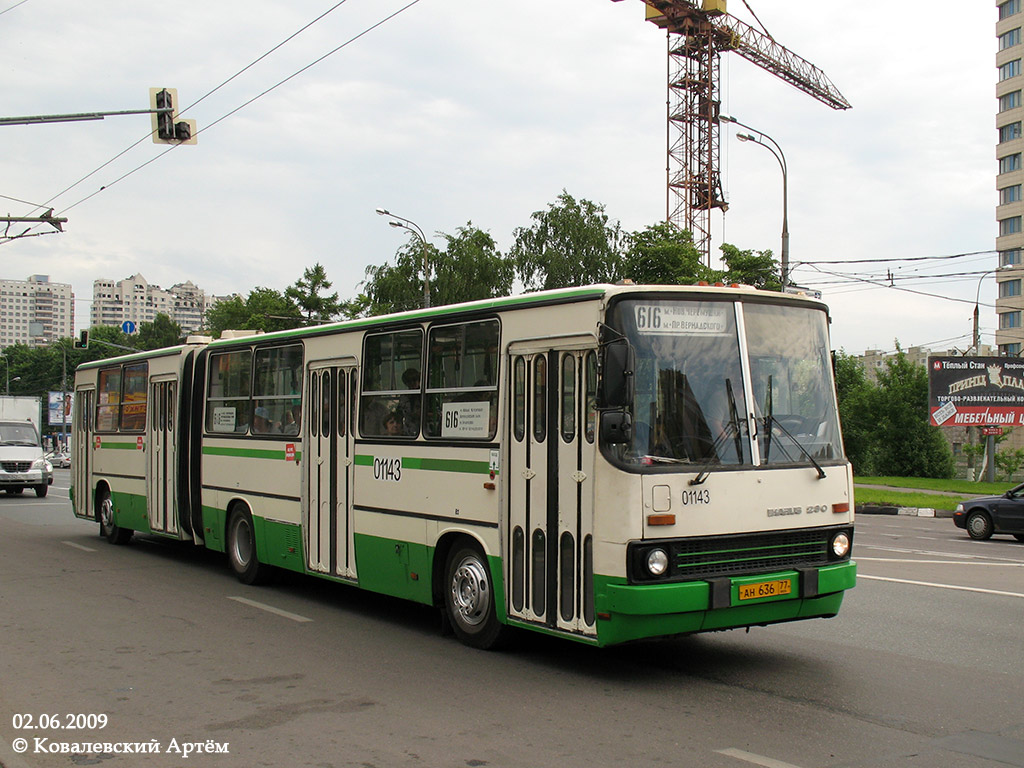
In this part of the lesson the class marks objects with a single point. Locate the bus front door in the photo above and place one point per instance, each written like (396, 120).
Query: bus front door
(160, 463)
(549, 569)
(328, 447)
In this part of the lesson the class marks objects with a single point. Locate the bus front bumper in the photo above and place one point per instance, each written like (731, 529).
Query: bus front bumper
(634, 611)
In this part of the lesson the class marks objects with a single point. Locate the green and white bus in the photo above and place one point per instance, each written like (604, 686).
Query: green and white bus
(603, 463)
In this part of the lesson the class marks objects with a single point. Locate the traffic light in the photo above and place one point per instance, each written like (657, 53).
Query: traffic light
(167, 129)
(82, 342)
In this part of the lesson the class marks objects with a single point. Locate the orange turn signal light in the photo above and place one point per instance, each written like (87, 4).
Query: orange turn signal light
(841, 508)
(664, 519)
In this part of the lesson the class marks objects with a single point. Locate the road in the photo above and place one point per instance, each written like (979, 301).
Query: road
(921, 668)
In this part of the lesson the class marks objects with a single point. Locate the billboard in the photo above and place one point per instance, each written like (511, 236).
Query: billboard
(975, 391)
(60, 408)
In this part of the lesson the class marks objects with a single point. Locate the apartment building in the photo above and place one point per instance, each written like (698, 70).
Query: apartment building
(1009, 179)
(136, 300)
(35, 311)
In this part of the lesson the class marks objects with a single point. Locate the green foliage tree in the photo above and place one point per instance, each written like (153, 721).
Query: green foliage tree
(398, 287)
(308, 294)
(572, 243)
(663, 254)
(906, 443)
(470, 268)
(264, 309)
(1009, 461)
(757, 268)
(856, 395)
(162, 332)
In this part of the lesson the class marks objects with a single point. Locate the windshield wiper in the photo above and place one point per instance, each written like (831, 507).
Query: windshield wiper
(663, 459)
(733, 426)
(769, 421)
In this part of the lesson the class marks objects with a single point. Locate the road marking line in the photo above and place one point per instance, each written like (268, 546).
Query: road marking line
(750, 757)
(955, 555)
(78, 546)
(943, 586)
(269, 609)
(935, 562)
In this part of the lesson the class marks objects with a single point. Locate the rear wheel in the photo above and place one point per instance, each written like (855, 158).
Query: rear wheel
(979, 525)
(108, 530)
(241, 540)
(469, 598)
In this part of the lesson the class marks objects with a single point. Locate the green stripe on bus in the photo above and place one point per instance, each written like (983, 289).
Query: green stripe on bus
(249, 453)
(118, 446)
(433, 465)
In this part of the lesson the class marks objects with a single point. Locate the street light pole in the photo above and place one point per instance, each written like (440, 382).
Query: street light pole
(776, 150)
(411, 226)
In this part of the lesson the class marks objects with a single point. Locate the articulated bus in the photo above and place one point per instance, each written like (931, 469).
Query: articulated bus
(604, 463)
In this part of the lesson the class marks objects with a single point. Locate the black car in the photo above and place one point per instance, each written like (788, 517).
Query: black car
(993, 514)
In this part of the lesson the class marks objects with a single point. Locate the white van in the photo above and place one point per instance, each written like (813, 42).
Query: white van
(22, 464)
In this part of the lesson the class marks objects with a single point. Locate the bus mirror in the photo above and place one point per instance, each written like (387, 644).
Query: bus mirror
(617, 374)
(616, 427)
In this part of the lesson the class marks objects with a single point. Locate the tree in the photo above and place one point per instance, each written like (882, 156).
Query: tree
(906, 443)
(571, 243)
(470, 268)
(663, 254)
(398, 287)
(162, 332)
(264, 309)
(307, 295)
(857, 396)
(756, 268)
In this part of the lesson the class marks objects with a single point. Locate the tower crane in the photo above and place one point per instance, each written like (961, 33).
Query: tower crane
(698, 32)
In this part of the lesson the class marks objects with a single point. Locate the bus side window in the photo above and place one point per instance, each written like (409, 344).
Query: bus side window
(540, 398)
(590, 395)
(568, 398)
(519, 399)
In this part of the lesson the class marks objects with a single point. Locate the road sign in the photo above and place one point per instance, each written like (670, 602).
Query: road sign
(128, 326)
(996, 431)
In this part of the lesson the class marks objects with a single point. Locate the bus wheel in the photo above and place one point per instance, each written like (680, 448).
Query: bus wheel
(112, 533)
(469, 599)
(242, 549)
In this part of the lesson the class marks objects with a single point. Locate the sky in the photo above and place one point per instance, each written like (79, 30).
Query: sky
(453, 111)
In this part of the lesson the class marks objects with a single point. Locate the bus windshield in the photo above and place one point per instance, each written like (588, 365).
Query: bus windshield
(691, 401)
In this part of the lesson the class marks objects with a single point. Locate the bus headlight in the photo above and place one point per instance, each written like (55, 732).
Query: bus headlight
(657, 562)
(841, 544)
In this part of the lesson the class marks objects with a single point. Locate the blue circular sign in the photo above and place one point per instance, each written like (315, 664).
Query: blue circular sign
(128, 326)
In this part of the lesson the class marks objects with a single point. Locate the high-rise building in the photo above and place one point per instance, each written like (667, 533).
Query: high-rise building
(137, 300)
(1009, 179)
(35, 312)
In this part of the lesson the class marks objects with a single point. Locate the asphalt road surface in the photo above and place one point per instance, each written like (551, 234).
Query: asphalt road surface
(923, 667)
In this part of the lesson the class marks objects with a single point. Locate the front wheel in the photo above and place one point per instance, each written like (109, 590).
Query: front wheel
(41, 490)
(108, 530)
(979, 525)
(469, 599)
(241, 540)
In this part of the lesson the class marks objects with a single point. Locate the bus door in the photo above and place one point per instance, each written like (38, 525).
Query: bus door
(551, 488)
(161, 458)
(81, 452)
(329, 465)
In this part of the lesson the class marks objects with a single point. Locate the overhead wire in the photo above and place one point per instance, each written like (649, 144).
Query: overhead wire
(260, 95)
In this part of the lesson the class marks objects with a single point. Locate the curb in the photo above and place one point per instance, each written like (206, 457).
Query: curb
(877, 509)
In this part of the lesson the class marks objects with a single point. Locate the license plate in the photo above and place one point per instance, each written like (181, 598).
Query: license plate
(766, 589)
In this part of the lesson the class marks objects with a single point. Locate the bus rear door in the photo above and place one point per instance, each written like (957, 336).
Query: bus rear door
(161, 463)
